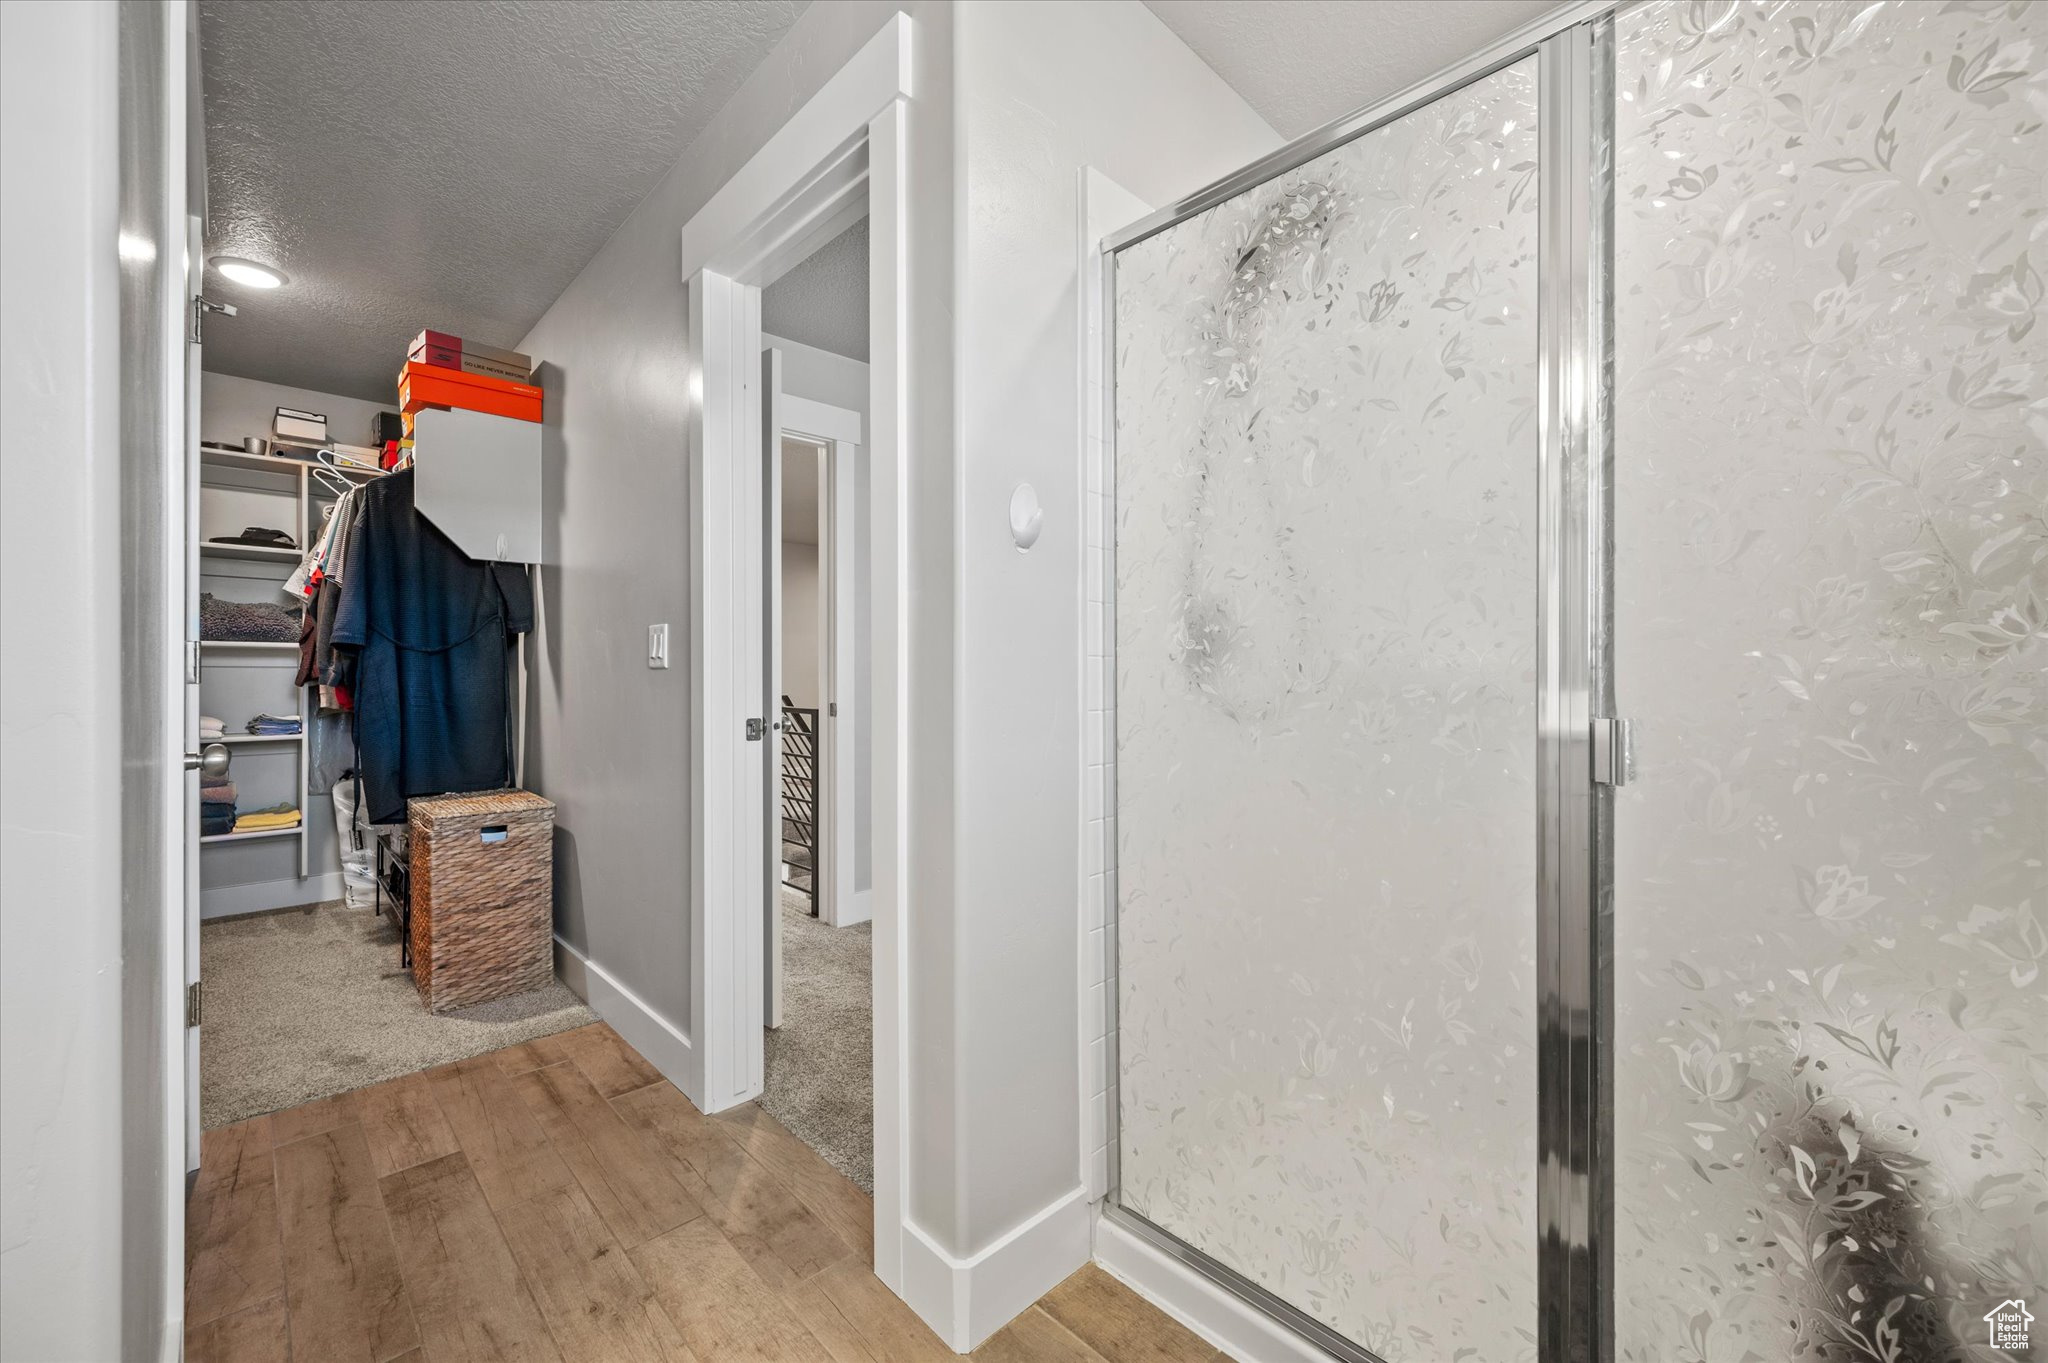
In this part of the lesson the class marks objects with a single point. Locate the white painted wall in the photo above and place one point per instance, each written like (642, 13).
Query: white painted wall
(1047, 88)
(61, 1174)
(800, 603)
(232, 407)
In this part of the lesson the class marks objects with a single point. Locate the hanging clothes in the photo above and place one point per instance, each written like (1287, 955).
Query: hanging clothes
(432, 632)
(348, 514)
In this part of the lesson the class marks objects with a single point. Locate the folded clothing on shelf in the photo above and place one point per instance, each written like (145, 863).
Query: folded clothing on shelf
(263, 537)
(214, 825)
(209, 727)
(265, 820)
(246, 622)
(216, 790)
(275, 726)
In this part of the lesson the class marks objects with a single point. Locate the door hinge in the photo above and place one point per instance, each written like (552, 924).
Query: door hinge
(757, 729)
(202, 306)
(191, 662)
(1614, 751)
(192, 1004)
(832, 710)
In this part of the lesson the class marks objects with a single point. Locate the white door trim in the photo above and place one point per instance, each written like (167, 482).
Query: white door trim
(842, 154)
(809, 419)
(841, 685)
(770, 469)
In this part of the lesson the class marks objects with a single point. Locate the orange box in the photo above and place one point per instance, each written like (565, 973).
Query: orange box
(422, 385)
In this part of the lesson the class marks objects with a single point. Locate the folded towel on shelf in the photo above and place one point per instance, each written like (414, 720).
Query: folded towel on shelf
(275, 726)
(209, 727)
(263, 622)
(216, 825)
(217, 795)
(264, 820)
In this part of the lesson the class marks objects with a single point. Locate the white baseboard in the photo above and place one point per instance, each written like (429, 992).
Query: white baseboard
(227, 901)
(666, 1046)
(967, 1300)
(1194, 1301)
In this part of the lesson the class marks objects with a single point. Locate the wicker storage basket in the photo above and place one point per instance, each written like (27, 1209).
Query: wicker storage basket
(482, 896)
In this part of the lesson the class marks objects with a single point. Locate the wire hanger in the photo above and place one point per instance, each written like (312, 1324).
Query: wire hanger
(328, 468)
(333, 482)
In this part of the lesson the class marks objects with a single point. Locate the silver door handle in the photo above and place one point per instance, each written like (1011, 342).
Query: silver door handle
(210, 761)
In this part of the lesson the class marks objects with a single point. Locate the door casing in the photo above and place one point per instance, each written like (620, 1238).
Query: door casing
(845, 153)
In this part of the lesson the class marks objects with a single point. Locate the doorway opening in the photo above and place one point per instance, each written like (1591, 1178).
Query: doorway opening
(818, 996)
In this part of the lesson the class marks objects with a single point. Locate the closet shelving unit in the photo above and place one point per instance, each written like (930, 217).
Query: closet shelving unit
(237, 475)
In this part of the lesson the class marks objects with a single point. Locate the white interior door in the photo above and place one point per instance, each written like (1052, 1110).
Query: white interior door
(771, 667)
(188, 662)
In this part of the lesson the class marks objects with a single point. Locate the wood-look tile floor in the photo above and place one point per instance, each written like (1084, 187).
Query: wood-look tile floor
(560, 1202)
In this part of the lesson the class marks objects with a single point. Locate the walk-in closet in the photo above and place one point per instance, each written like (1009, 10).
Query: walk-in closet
(329, 702)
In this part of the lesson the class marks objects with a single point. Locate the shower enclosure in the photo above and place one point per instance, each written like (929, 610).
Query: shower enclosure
(1668, 379)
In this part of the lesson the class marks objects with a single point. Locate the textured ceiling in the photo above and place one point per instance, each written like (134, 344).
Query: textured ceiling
(823, 300)
(1301, 63)
(451, 165)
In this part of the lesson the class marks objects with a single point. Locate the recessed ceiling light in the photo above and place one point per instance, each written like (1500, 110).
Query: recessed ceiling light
(248, 272)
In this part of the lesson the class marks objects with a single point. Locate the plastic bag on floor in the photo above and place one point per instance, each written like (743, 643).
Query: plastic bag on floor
(358, 848)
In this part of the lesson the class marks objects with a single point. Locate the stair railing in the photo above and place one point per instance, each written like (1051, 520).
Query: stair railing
(800, 800)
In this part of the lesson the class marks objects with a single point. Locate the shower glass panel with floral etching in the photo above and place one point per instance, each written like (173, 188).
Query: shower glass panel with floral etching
(1326, 500)
(1831, 593)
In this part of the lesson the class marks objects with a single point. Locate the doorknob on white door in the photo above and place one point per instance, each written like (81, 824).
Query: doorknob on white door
(210, 761)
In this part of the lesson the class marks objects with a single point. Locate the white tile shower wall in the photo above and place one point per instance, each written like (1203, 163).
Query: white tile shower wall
(1105, 207)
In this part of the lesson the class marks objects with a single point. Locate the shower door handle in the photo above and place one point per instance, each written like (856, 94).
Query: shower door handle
(1614, 751)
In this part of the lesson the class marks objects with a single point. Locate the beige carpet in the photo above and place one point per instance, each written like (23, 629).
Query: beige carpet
(821, 1061)
(311, 1002)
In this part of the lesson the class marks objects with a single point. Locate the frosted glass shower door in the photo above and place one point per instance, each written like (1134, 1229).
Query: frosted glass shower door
(1831, 597)
(1326, 490)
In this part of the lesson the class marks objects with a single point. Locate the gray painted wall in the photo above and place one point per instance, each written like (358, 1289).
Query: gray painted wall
(231, 407)
(608, 737)
(993, 636)
(800, 624)
(61, 1168)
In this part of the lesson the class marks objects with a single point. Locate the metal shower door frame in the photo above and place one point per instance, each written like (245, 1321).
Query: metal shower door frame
(1574, 1197)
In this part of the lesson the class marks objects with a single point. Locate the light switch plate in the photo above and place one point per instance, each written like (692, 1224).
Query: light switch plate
(657, 645)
